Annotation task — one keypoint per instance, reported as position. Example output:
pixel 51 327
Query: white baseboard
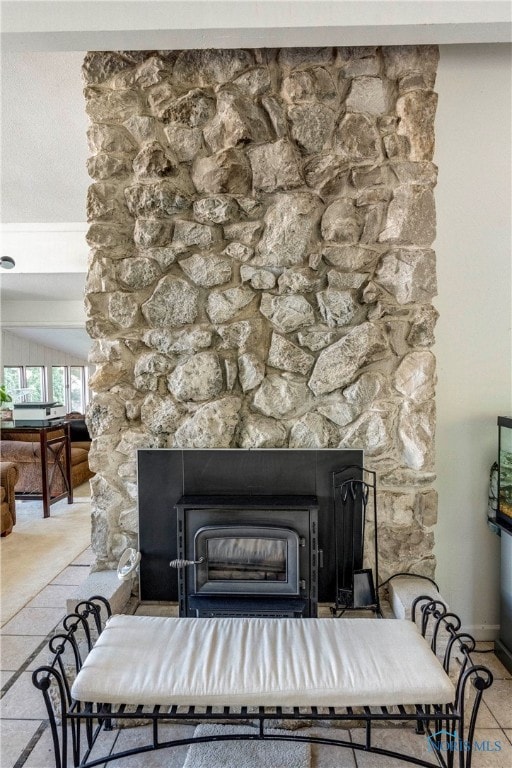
pixel 483 632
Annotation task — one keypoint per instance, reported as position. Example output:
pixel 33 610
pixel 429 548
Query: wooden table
pixel 58 448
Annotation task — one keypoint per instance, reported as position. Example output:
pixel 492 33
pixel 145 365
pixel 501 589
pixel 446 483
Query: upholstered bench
pixel 262 669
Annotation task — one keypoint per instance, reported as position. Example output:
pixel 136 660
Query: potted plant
pixel 5 410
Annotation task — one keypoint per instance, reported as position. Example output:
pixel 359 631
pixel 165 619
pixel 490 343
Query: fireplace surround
pixel 275 505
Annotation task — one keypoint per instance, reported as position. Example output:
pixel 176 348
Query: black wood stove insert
pixel 240 532
pixel 247 555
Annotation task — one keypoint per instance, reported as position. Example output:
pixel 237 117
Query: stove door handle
pixel 183 563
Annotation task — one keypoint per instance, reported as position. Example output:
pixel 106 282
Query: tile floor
pixel 25 737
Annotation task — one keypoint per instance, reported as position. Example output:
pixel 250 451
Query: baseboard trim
pixel 483 632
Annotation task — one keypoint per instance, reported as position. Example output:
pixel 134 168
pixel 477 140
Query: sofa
pixel 8 478
pixel 24 450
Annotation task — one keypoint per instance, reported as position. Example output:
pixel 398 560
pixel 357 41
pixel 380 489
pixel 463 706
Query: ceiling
pixel 43 121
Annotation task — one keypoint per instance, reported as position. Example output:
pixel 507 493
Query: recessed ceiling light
pixel 6 262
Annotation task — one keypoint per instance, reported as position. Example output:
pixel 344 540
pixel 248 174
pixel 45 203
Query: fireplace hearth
pixel 253 531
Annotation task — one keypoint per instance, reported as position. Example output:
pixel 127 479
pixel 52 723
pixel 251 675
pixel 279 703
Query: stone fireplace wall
pixel 261 271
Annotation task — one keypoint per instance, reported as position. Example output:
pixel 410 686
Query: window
pixel 25 382
pixel 69 386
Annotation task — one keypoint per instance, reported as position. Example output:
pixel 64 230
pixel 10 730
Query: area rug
pixel 245 754
pixel 38 549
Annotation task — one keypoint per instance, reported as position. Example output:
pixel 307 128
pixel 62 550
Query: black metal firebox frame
pixel 76 727
pixel 297 513
pixel 166 474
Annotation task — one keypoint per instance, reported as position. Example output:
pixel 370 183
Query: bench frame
pixel 75 726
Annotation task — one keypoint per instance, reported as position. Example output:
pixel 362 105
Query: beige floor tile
pixel 494 750
pixel 86 558
pixel 42 755
pixel 72 576
pixel 33 621
pixel 15 649
pixel 23 701
pixel 489 660
pixel 508 734
pixel 323 756
pixel 14 737
pixel 170 758
pixel 5 676
pixel 499 700
pixel 52 596
pixel 403 740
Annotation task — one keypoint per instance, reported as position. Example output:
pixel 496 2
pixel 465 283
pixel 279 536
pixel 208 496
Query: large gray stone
pixel 287 313
pixel 411 216
pixel 415 376
pixel 417 111
pixel 341 222
pixel 197 379
pixel 416 426
pixel 261 432
pixel 151 232
pixel 338 411
pixel 277 115
pixel 114 106
pixel 290 58
pixel 245 232
pixel 176 342
pixel 191 233
pixel 359 60
pixel 244 335
pixel 159 199
pixel 110 138
pixel 367 388
pixel 337 365
pixel 287 356
pixel 238 251
pixel 251 371
pixel 274 166
pixel 174 302
pixel 238 120
pixel 312 126
pixel 310 431
pixel 290 229
pixel 207 270
pixel 349 258
pixel 309 85
pixel 408 274
pixel 227 171
pixel 298 280
pixel 260 279
pixel 216 210
pixel 357 139
pixel 400 60
pixel 155 161
pixel 424 320
pixel 224 305
pixel 161 415
pixel 212 426
pixel 369 94
pixel 336 307
pixel 280 396
pixel 316 338
pixel 210 66
pixel 328 174
pixel 105 415
pixel 137 272
pixel 107 376
pixel 104 166
pixel 256 81
pixel 370 432
pixel 185 142
pixel 123 309
pixel 192 110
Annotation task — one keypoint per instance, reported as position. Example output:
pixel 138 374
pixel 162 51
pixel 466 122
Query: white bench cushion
pixel 266 662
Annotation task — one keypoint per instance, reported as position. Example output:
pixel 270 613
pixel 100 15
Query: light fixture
pixel 6 262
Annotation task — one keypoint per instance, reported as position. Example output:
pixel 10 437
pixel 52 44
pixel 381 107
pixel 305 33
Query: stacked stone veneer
pixel 261 272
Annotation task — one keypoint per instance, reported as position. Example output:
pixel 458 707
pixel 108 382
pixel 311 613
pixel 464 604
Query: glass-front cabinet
pixel 504 513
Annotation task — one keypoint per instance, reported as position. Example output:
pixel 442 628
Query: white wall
pixel 474 340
